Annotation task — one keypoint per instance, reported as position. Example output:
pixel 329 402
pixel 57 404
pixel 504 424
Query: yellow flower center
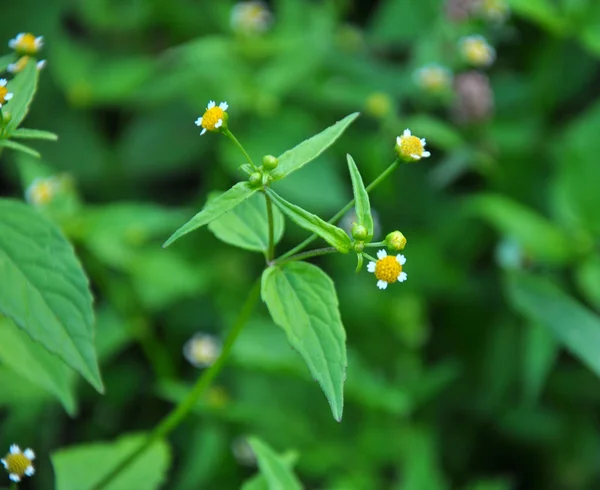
pixel 3 92
pixel 477 51
pixel 42 193
pixel 388 269
pixel 27 44
pixel 410 145
pixel 211 118
pixel 434 79
pixel 17 463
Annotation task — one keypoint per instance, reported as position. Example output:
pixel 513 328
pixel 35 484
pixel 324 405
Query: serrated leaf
pixel 82 467
pixel 215 208
pixel 362 204
pixel 275 469
pixel 333 235
pixel 575 326
pixel 308 150
pixel 34 363
pixel 13 145
pixel 302 300
pixel 533 232
pixel 246 225
pixel 44 289
pixel 23 87
pixel 33 134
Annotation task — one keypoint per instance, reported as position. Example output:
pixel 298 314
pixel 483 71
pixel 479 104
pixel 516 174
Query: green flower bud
pixel 359 232
pixel 6 117
pixel 256 179
pixel 395 241
pixel 270 162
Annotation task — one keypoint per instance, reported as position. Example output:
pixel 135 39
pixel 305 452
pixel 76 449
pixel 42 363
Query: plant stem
pixel 342 211
pixel 230 135
pixel 304 255
pixel 180 412
pixel 271 246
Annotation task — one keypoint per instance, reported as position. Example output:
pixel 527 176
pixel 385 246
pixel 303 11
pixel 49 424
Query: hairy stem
pixel 230 135
pixel 271 246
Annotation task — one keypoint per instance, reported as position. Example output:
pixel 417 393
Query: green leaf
pixel 34 363
pixel 361 199
pixel 333 235
pixel 23 86
pixel 13 145
pixel 215 208
pixel 7 60
pixel 540 353
pixel 246 225
pixel 302 300
pixel 34 134
pixel 274 468
pixel 570 322
pixel 44 289
pixel 538 236
pixel 308 150
pixel 82 467
pixel 259 481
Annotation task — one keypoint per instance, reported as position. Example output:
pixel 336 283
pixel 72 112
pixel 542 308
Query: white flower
pixel 410 148
pixel 250 17
pixel 214 117
pixel 26 43
pixel 202 350
pixel 5 95
pixel 433 78
pixel 43 190
pixel 18 463
pixel 387 269
pixel 476 50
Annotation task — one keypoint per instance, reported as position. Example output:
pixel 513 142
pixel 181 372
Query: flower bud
pixel 359 232
pixel 255 179
pixel 395 241
pixel 270 162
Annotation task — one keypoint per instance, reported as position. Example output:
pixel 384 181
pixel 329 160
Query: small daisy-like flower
pixel 477 51
pixel 18 463
pixel 202 350
pixel 26 43
pixel 433 78
pixel 387 269
pixel 251 17
pixel 214 117
pixel 42 191
pixel 493 10
pixel 5 95
pixel 410 148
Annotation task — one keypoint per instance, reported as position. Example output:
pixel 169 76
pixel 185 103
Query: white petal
pixel 12 43
pixel 29 454
pixel 41 64
pixel 14 449
pixel 14 477
pixel 371 266
pixel 423 142
pixel 224 106
pixel 426 154
pixel 381 284
pixel 381 254
pixel 8 96
pixel 12 68
pixel 407 132
pixel 402 277
pixel 203 131
pixel 415 156
pixel 30 470
pixel 39 41
pixel 401 259
pixel 198 122
pixel 219 123
pixel 211 104
pixel 4 463
pixel 3 82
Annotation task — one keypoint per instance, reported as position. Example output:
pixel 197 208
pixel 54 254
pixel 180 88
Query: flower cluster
pixel 42 191
pixel 251 17
pixel 26 45
pixel 476 50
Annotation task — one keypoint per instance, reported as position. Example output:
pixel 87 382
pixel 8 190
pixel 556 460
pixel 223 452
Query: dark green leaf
pixel 13 145
pixel 34 134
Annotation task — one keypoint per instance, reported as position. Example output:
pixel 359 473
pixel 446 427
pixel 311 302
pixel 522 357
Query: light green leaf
pixel 44 289
pixel 34 363
pixel 259 481
pixel 361 199
pixel 302 300
pixel 23 88
pixel 570 322
pixel 215 208
pixel 246 225
pixel 82 467
pixel 274 468
pixel 333 235
pixel 34 134
pixel 540 353
pixel 308 150
pixel 13 145
pixel 538 236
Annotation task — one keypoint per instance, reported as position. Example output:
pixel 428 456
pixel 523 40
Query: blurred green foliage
pixel 478 373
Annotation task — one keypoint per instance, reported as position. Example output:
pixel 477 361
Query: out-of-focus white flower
pixel 202 350
pixel 477 51
pixel 493 10
pixel 26 43
pixel 43 190
pixel 433 78
pixel 251 17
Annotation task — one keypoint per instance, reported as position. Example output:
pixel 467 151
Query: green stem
pixel 230 135
pixel 181 411
pixel 13 486
pixel 305 255
pixel 384 175
pixel 271 246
